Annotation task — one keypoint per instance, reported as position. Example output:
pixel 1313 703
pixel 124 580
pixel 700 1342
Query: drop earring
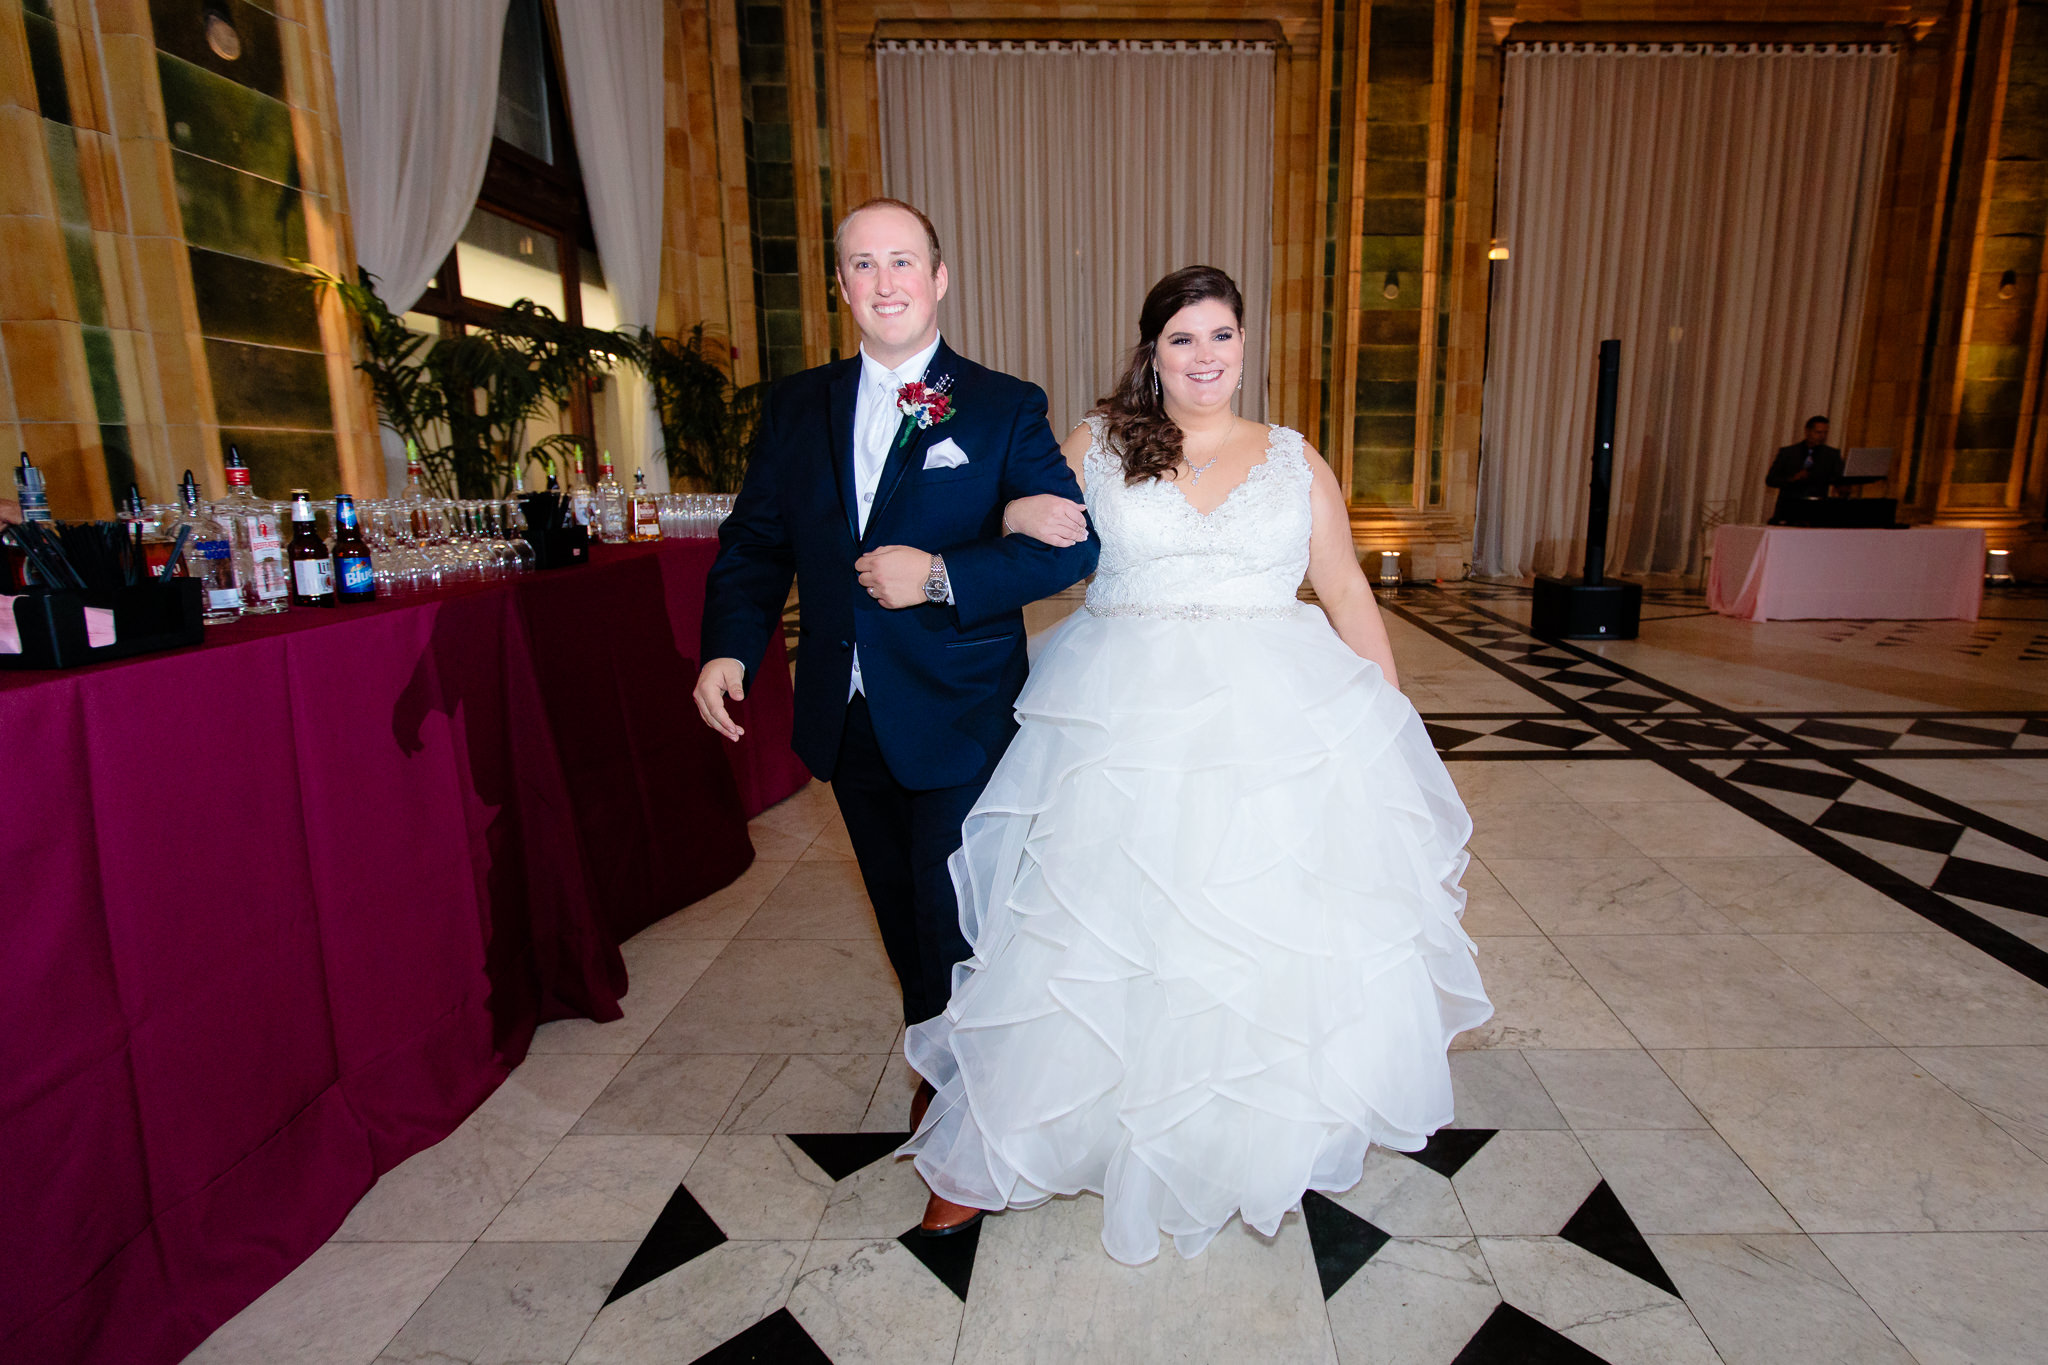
pixel 1155 385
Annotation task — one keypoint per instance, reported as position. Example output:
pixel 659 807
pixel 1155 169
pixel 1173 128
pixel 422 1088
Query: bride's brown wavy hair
pixel 1140 432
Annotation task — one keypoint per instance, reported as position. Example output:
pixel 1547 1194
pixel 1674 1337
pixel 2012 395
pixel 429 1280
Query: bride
pixel 1212 889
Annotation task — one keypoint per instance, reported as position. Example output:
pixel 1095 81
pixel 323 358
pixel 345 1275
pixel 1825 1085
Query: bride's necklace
pixel 1196 471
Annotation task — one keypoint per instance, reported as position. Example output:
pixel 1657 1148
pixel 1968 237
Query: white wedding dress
pixel 1212 893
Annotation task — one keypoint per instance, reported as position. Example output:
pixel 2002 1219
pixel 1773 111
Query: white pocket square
pixel 945 455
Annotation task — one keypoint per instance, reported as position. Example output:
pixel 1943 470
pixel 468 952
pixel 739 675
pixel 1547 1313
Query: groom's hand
pixel 894 575
pixel 720 678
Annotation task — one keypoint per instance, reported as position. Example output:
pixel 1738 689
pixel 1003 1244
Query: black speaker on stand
pixel 1590 607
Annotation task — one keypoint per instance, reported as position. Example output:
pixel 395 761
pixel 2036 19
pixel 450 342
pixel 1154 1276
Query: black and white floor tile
pixel 1767 1081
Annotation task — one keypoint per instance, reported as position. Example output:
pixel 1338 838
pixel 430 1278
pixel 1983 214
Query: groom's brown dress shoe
pixel 920 1102
pixel 943 1218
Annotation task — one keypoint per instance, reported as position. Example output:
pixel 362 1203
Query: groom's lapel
pixel 902 451
pixel 844 393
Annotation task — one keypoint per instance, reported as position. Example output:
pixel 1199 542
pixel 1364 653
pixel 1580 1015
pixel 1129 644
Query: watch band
pixel 935 582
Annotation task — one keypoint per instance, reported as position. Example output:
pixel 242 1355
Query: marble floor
pixel 1763 910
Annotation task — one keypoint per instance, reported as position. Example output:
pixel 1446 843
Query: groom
pixel 885 500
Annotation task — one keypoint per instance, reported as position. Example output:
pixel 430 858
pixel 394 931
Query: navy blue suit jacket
pixel 941 681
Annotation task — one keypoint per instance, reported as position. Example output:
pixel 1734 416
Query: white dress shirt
pixel 876 420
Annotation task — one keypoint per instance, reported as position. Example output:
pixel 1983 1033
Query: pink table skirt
pixel 278 911
pixel 1781 573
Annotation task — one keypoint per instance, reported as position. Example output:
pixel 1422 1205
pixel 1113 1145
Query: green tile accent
pixel 1394 217
pixel 1387 431
pixel 2014 250
pixel 216 118
pixel 46 67
pixel 268 386
pixel 106 378
pixel 1387 178
pixel 280 461
pixel 1390 327
pixel 60 141
pixel 1391 397
pixel 1377 255
pixel 1995 362
pixel 1398 63
pixel 118 455
pixel 1982 466
pixel 85 276
pixel 245 300
pixel 181 30
pixel 1983 430
pixel 227 210
pixel 1983 396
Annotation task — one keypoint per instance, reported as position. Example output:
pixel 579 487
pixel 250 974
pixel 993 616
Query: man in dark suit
pixel 1803 471
pixel 911 652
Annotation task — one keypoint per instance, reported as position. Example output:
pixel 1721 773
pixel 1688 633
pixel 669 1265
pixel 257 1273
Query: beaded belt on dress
pixel 1192 612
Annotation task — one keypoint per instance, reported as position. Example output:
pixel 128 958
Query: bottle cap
pixel 188 489
pixel 30 491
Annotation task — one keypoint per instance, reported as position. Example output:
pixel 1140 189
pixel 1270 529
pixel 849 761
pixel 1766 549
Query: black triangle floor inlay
pixel 839 1155
pixel 1603 1227
pixel 778 1339
pixel 1343 1242
pixel 951 1258
pixel 1512 1337
pixel 681 1234
pixel 1449 1149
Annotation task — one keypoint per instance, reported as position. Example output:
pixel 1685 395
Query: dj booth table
pixel 1779 573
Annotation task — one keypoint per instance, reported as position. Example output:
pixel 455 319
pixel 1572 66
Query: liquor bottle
pixel 208 555
pixel 258 545
pixel 414 496
pixel 312 568
pixel 611 503
pixel 147 533
pixel 355 580
pixel 646 510
pixel 582 502
pixel 554 484
pixel 15 571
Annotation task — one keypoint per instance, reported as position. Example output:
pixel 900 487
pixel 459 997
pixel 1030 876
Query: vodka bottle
pixel 209 554
pixel 611 503
pixel 257 543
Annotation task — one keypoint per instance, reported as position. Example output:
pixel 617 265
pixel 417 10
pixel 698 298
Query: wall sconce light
pixel 1390 568
pixel 2008 284
pixel 1392 288
pixel 221 35
pixel 1998 568
pixel 1497 252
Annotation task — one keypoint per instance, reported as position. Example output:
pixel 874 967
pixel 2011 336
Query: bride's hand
pixel 1047 517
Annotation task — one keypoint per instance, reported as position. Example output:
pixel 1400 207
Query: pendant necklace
pixel 1196 471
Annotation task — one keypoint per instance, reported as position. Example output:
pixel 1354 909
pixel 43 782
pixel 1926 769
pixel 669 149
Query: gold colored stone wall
pixel 114 320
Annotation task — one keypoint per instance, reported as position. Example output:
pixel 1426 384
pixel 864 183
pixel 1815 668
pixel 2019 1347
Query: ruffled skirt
pixel 1212 893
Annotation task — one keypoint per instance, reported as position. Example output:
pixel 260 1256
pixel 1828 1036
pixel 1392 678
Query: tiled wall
pixel 237 171
pixel 771 125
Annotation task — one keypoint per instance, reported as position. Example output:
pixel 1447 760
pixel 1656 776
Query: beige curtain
pixel 1065 178
pixel 1711 207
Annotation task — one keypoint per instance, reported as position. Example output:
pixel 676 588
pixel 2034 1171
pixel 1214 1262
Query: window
pixel 529 236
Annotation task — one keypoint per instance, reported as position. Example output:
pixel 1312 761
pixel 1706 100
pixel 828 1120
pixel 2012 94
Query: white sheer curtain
pixel 416 88
pixel 1065 178
pixel 1712 208
pixel 611 66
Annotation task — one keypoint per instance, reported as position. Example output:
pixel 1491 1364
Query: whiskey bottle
pixel 646 509
pixel 312 568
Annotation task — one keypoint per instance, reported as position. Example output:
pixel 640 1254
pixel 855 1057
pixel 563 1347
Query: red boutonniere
pixel 927 405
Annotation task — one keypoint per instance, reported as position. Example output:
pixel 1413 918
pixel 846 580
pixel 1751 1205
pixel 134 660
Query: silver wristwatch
pixel 935 582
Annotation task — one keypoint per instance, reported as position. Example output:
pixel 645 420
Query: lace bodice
pixel 1161 557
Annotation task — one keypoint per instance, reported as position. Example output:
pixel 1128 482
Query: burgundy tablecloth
pixel 1782 573
pixel 280 910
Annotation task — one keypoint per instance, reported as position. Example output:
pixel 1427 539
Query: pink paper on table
pixel 99 627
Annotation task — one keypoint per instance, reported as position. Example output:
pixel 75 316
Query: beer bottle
pixel 354 578
pixel 312 569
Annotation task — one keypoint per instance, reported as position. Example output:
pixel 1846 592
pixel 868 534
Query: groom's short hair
pixel 931 234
